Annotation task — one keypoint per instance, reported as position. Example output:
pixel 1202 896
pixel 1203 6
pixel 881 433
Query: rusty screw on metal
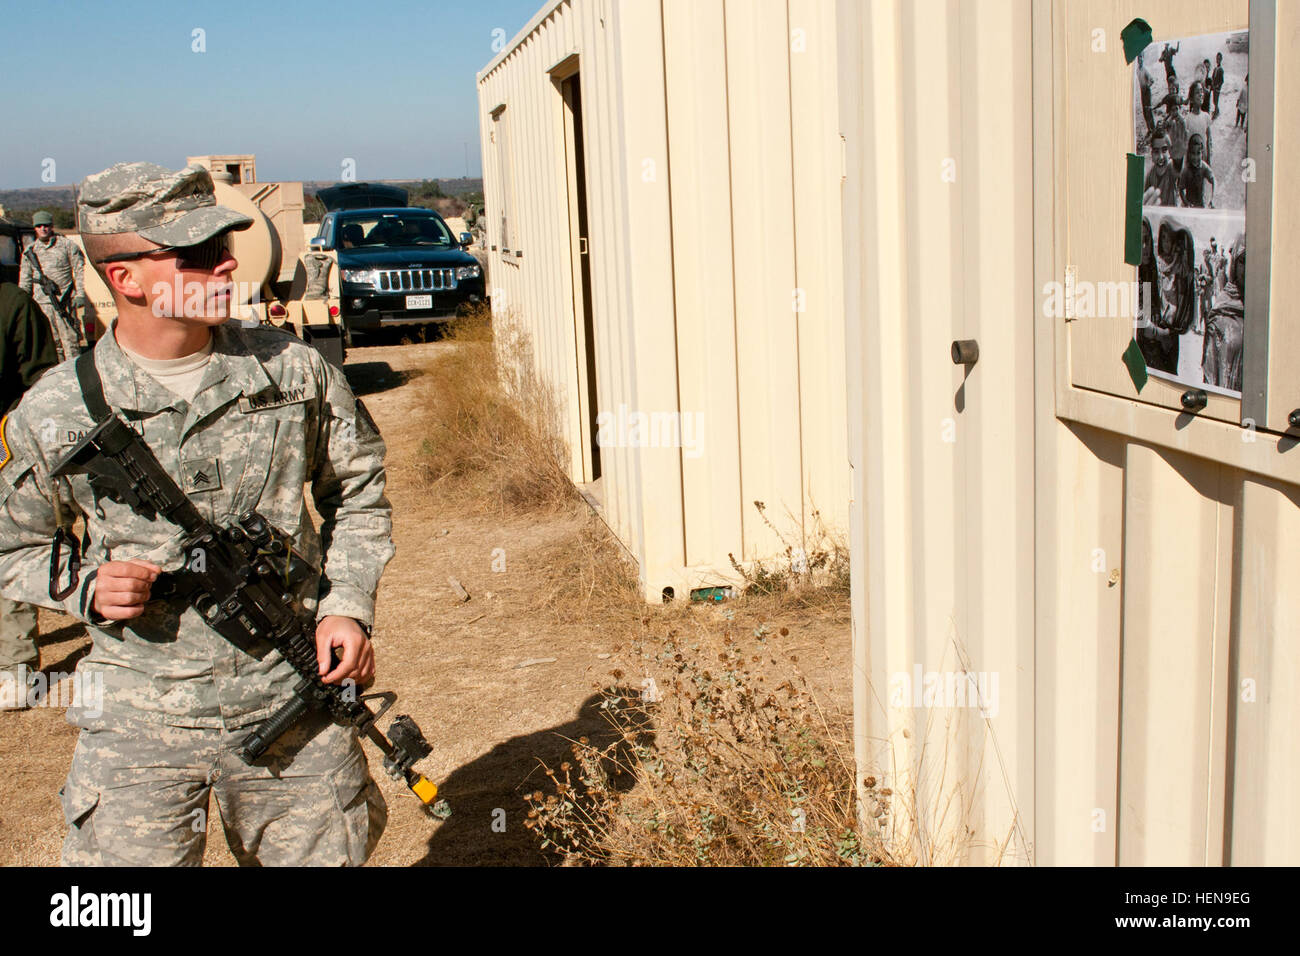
pixel 1194 399
pixel 965 352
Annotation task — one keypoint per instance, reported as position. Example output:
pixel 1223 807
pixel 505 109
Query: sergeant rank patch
pixel 201 474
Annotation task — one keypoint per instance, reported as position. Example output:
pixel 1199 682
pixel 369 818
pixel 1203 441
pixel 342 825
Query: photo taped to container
pixel 1191 297
pixel 1190 113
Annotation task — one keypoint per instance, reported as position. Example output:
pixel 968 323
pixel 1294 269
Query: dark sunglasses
pixel 206 255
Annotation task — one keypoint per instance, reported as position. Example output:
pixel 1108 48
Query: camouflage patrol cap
pixel 171 208
pixel 42 219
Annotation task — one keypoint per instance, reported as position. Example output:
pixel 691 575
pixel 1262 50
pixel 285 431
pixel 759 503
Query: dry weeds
pixel 494 443
pixel 717 750
pixel 715 762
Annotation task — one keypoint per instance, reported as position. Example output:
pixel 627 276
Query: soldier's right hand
pixel 122 588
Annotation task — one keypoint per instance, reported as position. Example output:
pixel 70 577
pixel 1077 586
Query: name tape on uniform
pixel 276 398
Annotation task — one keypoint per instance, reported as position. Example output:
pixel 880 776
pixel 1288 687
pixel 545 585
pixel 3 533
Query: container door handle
pixel 965 352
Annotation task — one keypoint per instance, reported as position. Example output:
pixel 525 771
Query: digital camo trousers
pixel 17 635
pixel 138 796
pixel 68 335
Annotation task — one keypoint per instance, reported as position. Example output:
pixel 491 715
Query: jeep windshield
pixel 392 230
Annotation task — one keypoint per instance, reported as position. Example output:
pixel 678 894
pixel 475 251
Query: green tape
pixel 1133 210
pixel 1136 364
pixel 1136 37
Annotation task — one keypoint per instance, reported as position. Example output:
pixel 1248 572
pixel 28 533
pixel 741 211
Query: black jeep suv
pixel 397 264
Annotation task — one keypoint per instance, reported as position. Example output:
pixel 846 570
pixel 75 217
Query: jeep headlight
pixel 359 276
pixel 468 272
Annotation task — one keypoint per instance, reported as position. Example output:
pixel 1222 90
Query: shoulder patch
pixel 5 456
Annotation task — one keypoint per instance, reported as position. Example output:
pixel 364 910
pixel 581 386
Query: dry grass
pixel 717 749
pixel 721 757
pixel 812 574
pixel 494 443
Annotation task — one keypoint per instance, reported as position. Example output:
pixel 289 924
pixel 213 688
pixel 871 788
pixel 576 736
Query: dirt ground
pixel 454 665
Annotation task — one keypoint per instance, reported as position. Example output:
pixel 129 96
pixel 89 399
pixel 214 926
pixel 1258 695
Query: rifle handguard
pixel 271 729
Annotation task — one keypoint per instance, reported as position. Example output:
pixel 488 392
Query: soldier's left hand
pixel 356 656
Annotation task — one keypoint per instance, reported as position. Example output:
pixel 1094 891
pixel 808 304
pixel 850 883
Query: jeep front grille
pixel 416 280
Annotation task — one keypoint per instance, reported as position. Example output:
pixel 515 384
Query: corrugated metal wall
pixel 536 289
pixel 1164 681
pixel 713 171
pixel 1122 573
pixel 936 111
pixel 1112 583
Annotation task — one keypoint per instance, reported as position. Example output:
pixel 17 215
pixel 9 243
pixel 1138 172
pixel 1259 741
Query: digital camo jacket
pixel 270 416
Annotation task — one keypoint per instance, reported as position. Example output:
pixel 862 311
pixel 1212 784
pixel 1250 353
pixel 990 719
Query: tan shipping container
pixel 662 198
pixel 1112 567
pixel 1097 574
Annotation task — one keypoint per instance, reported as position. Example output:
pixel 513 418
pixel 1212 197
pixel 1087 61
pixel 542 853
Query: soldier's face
pixel 177 289
pixel 44 231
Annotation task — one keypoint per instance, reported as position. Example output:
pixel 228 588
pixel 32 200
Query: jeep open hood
pixel 404 257
pixel 361 196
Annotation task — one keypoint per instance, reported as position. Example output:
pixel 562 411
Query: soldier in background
pixel 242 419
pixel 53 273
pixel 26 351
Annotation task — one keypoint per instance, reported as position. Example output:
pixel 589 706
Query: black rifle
pixel 241 579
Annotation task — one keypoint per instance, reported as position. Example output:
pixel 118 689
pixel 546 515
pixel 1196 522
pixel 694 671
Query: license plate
pixel 419 302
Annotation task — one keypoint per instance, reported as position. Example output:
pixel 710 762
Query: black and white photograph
pixel 1191 295
pixel 1190 115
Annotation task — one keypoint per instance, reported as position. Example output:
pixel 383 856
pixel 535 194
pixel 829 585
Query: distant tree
pixel 313 210
pixel 428 189
pixel 63 218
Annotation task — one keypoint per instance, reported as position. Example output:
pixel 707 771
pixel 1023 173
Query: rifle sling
pixel 92 387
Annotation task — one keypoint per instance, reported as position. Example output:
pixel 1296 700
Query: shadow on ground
pixel 500 779
pixel 400 335
pixel 57 636
pixel 367 378
pixel 68 662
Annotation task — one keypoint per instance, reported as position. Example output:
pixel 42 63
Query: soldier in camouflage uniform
pixel 241 426
pixel 26 352
pixel 60 260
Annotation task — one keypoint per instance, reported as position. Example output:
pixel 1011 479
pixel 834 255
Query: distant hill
pixel 20 203
pixel 26 200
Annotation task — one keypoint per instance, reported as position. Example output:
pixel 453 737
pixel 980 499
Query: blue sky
pixel 303 85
